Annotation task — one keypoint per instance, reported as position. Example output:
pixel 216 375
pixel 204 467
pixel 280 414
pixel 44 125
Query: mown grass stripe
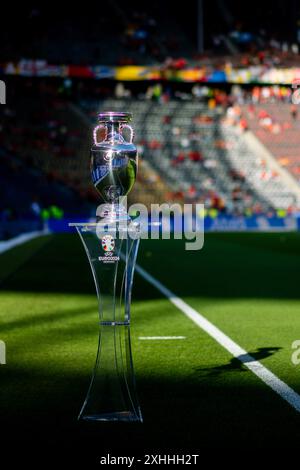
pixel 270 379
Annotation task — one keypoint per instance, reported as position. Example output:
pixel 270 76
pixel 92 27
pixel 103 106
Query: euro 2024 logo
pixel 108 243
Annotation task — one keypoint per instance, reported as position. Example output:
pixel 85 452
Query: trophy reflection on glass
pixel 112 252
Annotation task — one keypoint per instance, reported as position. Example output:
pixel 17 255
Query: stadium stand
pixel 37 146
pixel 201 158
pixel 194 147
pixel 277 128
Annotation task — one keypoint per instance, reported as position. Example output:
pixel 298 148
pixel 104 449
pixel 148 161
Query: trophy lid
pixel 112 116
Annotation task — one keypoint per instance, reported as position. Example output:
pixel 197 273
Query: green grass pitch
pixel 193 394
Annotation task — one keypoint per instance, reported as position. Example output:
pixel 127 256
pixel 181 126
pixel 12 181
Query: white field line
pixel 270 379
pixel 19 240
pixel 161 337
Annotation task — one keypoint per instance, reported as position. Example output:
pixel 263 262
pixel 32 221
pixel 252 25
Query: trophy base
pixel 124 416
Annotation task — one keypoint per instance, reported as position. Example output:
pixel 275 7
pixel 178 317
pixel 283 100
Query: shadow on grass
pixel 238 363
pixel 210 409
pixel 40 319
pixel 229 266
pixel 38 411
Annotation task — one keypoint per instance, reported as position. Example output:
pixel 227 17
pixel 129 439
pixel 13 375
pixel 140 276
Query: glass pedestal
pixel 112 392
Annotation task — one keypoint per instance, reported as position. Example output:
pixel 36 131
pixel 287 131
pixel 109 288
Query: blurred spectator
pixel 35 208
pixel 121 91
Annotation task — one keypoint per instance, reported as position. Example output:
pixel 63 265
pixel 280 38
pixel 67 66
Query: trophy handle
pixel 100 126
pixel 127 126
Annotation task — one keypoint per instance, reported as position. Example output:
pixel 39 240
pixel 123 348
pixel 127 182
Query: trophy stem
pixel 112 393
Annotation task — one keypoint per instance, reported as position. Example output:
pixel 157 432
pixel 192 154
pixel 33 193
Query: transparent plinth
pixel 112 256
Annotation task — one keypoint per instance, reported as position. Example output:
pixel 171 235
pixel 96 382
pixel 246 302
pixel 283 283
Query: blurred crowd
pixel 35 127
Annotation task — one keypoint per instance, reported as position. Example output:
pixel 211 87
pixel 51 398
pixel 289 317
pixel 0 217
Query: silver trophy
pixel 112 256
pixel 113 162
